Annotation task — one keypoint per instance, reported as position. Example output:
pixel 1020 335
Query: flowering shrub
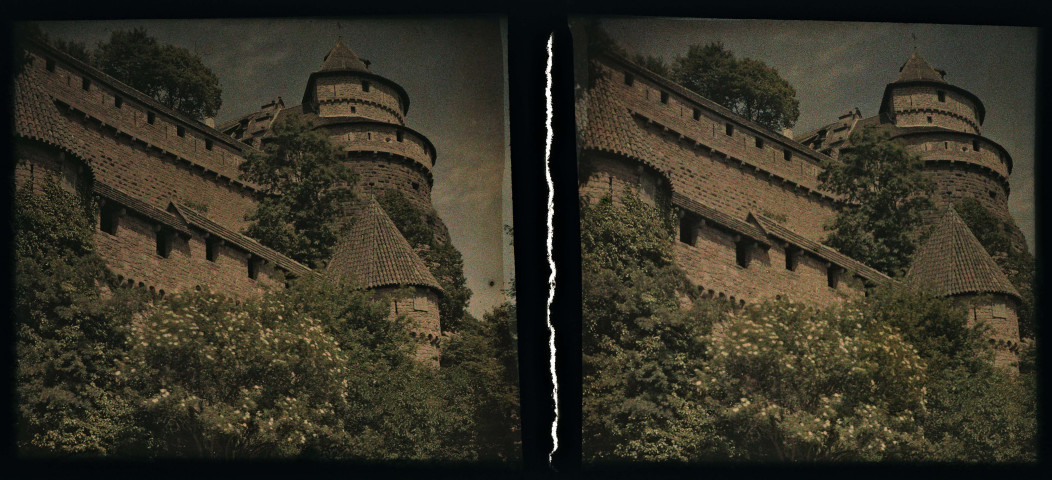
pixel 792 383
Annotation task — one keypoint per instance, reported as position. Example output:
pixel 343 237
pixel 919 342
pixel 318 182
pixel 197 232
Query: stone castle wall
pixel 998 312
pixel 420 307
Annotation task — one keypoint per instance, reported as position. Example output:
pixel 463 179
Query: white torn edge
pixel 551 259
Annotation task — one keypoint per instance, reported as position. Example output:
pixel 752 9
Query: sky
pixel 452 69
pixel 837 66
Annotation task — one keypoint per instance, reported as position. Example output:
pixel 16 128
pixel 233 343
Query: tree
pixel 306 185
pixel 653 63
pixel 419 227
pixel 68 338
pixel 746 86
pixel 640 348
pixel 789 382
pixel 884 194
pixel 172 75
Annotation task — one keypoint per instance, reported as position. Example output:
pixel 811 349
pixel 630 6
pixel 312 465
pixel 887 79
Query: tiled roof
pixel 916 69
pixel 37 118
pixel 716 216
pixel 375 254
pixel 341 58
pixel 143 208
pixel 953 262
pixel 775 229
pixel 192 217
pixel 610 127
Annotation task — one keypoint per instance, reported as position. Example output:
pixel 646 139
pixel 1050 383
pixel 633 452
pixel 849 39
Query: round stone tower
pixel 364 114
pixel 942 123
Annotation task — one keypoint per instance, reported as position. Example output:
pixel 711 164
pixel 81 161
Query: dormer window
pixel 942 96
pixel 365 86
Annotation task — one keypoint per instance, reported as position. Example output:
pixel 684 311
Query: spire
pixel 916 69
pixel 374 253
pixel 952 262
pixel 342 58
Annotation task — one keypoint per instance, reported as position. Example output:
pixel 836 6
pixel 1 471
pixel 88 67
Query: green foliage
pixel 788 382
pixel 481 365
pixel 1009 251
pixel 748 87
pixel 653 63
pixel 640 350
pixel 419 227
pixel 884 195
pixel 306 186
pixel 172 75
pixel 67 337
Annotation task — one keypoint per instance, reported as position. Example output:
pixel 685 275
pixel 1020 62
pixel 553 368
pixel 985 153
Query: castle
pixel 752 211
pixel 171 201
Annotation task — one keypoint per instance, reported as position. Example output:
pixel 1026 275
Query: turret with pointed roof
pixel 953 263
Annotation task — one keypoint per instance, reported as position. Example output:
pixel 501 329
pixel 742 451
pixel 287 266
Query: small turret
pixel 921 97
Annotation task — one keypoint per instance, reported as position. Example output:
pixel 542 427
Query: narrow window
pixel 629 79
pixel 212 249
pixel 151 118
pixel 929 119
pixel 664 97
pixel 729 129
pixel 792 258
pixel 180 130
pixel 208 144
pixel 833 276
pixel 742 252
pixel 688 230
pixel 399 135
pixel 365 86
pixel 85 83
pixel 110 219
pixel 975 145
pixel 118 101
pixel 416 186
pixel 50 64
pixel 354 110
pixel 942 96
pixel 253 267
pixel 759 142
pixel 697 114
pixel 946 145
pixel 787 155
pixel 993 194
pixel 164 243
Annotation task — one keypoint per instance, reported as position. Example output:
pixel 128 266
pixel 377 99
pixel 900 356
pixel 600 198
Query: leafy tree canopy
pixel 748 87
pixel 172 75
pixel 306 185
pixel 884 194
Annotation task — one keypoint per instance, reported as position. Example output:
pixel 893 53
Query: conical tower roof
pixel 953 262
pixel 342 58
pixel 916 69
pixel 375 254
